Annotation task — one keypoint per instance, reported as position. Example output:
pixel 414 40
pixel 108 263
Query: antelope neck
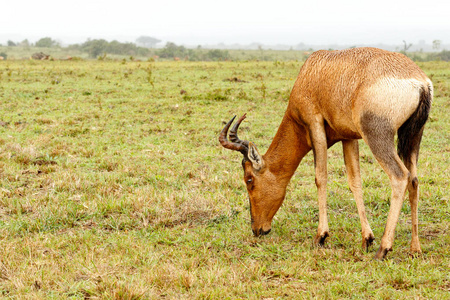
pixel 287 149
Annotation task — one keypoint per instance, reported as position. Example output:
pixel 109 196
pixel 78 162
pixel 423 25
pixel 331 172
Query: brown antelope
pixel 343 96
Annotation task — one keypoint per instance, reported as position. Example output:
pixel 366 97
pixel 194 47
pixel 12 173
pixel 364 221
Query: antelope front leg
pixel 351 159
pixel 319 145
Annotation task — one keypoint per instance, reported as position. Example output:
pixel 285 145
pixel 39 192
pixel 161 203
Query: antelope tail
pixel 410 132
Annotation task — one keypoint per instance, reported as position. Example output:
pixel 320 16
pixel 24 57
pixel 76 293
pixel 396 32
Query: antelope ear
pixel 255 157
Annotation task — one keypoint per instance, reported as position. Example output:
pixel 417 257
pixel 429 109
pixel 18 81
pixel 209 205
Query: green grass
pixel 113 185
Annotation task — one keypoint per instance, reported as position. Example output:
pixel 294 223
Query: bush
pixel 171 50
pixel 217 55
pixel 443 55
pixel 96 48
pixel 46 43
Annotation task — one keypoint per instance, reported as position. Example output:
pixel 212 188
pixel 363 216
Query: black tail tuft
pixel 413 126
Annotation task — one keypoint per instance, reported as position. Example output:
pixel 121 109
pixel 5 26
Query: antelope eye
pixel 249 183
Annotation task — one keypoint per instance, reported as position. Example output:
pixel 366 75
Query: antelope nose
pixel 260 231
pixel 265 232
pixel 256 231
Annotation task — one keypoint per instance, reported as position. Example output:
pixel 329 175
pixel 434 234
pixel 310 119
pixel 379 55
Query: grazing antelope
pixel 343 96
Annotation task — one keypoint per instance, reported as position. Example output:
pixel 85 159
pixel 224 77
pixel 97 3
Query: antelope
pixel 343 96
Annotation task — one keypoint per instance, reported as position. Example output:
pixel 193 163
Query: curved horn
pixel 233 132
pixel 236 143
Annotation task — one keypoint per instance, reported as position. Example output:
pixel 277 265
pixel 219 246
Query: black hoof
pixel 381 253
pixel 319 240
pixel 367 243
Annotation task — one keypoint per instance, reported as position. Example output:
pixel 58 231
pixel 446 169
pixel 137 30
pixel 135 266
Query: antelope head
pixel 264 193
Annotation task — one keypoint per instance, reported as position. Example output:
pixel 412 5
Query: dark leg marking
pixel 380 137
pixel 415 182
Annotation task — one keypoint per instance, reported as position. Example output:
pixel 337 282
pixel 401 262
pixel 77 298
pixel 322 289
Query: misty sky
pixel 231 21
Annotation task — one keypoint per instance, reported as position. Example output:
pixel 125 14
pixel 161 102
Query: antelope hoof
pixel 319 240
pixel 367 242
pixel 415 247
pixel 415 251
pixel 381 253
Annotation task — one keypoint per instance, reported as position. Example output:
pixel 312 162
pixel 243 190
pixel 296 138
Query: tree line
pixel 41 43
pixel 144 47
pixel 96 48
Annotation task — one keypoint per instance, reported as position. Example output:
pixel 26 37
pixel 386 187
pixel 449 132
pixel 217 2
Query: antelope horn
pixel 236 143
pixel 233 132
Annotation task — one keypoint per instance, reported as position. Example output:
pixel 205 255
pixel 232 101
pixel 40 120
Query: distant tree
pixel 147 41
pixel 11 43
pixel 24 43
pixel 300 46
pixel 217 54
pixel 406 46
pixel 436 44
pixel 171 50
pixel 443 55
pixel 46 43
pixel 95 47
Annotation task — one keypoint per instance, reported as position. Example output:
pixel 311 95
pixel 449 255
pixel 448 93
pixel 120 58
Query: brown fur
pixel 344 96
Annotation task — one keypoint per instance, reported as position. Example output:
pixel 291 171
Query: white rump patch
pixel 395 99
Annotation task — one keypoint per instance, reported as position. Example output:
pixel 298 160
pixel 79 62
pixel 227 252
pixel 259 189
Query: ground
pixel 113 185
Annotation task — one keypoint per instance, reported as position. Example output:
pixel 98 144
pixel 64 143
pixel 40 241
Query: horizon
pixel 230 44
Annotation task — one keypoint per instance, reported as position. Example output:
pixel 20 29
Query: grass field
pixel 113 185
